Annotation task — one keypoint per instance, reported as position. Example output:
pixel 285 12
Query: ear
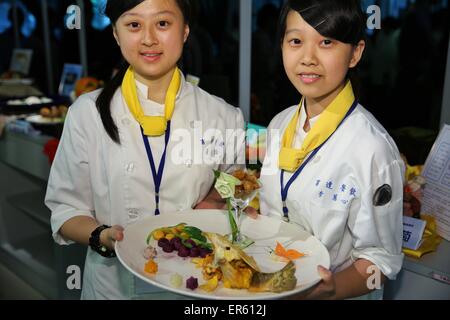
pixel 116 36
pixel 357 53
pixel 187 30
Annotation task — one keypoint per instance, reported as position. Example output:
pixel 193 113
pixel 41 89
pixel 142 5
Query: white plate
pixel 38 119
pixel 265 231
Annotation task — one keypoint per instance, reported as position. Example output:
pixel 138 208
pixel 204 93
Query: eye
pixel 163 24
pixel 327 42
pixel 133 25
pixel 295 42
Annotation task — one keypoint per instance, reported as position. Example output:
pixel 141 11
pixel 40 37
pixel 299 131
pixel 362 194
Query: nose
pixel 308 56
pixel 149 37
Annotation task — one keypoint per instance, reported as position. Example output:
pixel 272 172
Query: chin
pixel 310 92
pixel 154 72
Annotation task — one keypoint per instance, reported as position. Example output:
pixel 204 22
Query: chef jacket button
pixel 133 212
pixel 130 167
pixel 188 163
pixel 194 124
pixel 126 121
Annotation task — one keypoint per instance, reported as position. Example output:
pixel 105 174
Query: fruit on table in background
pixel 86 84
pixel 10 75
pixel 54 112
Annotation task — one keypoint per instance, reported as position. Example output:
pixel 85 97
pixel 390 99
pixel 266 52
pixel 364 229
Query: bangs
pixel 115 8
pixel 342 20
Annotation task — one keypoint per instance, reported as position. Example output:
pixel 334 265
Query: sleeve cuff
pixel 389 264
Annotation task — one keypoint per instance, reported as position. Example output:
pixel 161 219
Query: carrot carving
pixel 290 254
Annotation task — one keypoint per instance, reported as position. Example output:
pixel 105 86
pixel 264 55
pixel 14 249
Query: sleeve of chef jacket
pixel 377 230
pixel 236 160
pixel 69 186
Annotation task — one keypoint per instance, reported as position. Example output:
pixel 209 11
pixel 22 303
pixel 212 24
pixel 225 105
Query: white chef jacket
pixel 95 177
pixel 333 197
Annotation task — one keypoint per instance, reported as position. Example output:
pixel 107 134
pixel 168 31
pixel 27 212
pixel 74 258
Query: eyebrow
pixel 155 14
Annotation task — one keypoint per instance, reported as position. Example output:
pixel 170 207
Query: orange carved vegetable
pixel 290 254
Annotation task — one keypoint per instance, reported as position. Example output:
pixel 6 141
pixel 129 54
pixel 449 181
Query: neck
pixel 315 106
pixel 157 87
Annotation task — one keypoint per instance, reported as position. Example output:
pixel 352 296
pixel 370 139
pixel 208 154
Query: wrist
pixel 97 242
pixel 104 238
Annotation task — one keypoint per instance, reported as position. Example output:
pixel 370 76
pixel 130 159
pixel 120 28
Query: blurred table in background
pixel 10 90
pixel 426 278
pixel 26 244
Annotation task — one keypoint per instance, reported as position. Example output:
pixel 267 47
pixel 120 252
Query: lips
pixel 309 78
pixel 151 56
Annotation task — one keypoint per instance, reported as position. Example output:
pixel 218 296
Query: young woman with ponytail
pixel 127 150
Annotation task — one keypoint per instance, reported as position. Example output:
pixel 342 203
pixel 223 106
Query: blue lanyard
pixel 157 176
pixel 285 189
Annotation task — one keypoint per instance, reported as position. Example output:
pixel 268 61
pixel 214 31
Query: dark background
pixel 402 72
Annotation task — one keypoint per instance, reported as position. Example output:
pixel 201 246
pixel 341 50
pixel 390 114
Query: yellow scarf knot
pixel 153 126
pixel 290 158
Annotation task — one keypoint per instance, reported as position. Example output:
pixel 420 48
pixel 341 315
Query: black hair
pixel 113 10
pixel 342 20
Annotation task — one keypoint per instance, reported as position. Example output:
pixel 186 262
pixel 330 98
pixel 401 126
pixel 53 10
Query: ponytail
pixel 103 102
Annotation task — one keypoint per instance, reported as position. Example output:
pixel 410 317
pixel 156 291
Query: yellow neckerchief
pixel 153 126
pixel 289 158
